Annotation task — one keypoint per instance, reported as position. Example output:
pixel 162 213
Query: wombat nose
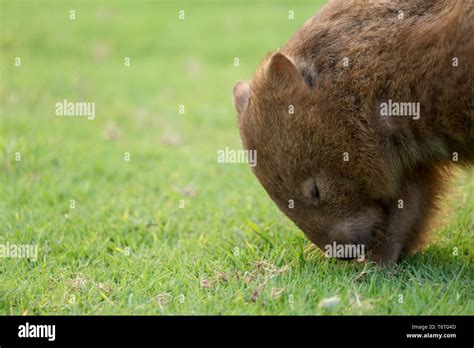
pixel 346 258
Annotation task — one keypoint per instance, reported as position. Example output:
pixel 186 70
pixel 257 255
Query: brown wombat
pixel 356 118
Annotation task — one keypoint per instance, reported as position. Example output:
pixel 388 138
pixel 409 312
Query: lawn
pixel 132 213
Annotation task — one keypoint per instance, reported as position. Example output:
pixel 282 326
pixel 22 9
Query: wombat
pixel 356 119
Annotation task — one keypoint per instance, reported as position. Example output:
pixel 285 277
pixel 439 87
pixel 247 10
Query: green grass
pixel 127 247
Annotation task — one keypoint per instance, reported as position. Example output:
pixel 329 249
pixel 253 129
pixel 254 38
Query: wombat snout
pixel 354 233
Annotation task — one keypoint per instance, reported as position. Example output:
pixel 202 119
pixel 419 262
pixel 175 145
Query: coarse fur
pixel 327 157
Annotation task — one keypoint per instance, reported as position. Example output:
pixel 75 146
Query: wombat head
pixel 319 164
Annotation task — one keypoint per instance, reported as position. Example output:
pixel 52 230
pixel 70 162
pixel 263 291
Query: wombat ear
pixel 282 71
pixel 241 96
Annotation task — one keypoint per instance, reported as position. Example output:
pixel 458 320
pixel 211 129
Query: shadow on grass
pixel 440 263
pixel 434 264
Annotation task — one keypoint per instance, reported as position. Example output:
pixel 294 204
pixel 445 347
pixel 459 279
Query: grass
pixel 127 247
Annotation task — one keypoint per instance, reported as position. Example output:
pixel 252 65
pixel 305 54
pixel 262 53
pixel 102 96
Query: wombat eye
pixel 310 190
pixel 315 191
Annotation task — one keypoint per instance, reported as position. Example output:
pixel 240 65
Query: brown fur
pixel 337 113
